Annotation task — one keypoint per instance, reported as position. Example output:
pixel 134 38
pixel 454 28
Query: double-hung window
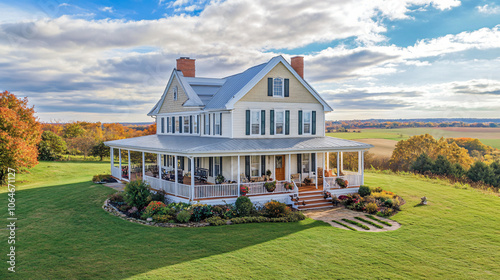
pixel 255 166
pixel 169 127
pixel 279 122
pixel 217 168
pixel 278 87
pixel 162 125
pixel 255 122
pixel 217 124
pixel 195 124
pixel 185 120
pixel 177 125
pixel 305 163
pixel 307 122
pixel 175 92
pixel 207 124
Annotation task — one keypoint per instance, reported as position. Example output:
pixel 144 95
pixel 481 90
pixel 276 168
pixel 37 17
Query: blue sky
pixel 110 60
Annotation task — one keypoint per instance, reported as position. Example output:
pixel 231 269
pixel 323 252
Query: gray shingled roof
pixel 195 145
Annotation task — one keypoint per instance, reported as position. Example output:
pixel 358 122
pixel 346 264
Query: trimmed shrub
pixel 201 212
pixel 159 218
pixel 244 206
pixel 117 198
pixel 275 209
pixel 184 216
pixel 371 208
pixel 376 190
pixel 137 194
pixel 364 191
pixel 216 221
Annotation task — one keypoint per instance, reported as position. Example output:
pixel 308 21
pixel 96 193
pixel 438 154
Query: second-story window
pixel 217 124
pixel 169 127
pixel 177 125
pixel 255 122
pixel 185 119
pixel 195 124
pixel 255 166
pixel 280 122
pixel 175 92
pixel 162 125
pixel 278 87
pixel 207 124
pixel 307 122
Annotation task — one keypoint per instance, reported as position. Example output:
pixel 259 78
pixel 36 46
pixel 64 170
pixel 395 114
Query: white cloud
pixel 106 9
pixel 489 9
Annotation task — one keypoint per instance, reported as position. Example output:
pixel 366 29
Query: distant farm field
pixel 378 137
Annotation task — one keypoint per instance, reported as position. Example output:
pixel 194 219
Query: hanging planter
pixel 270 186
pixel 243 190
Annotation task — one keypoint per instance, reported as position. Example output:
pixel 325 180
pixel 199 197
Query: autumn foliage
pixel 20 133
pixel 407 152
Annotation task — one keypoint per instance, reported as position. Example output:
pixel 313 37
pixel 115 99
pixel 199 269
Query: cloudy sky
pixel 110 61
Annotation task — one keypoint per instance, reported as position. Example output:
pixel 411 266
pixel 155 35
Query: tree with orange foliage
pixel 20 133
pixel 407 151
pixel 150 130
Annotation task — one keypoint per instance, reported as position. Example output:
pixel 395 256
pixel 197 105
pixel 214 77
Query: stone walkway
pixel 116 186
pixel 327 215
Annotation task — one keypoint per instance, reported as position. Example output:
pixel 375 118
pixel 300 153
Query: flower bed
pixel 372 201
pixel 138 204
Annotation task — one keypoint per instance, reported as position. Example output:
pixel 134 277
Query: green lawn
pixel 64 233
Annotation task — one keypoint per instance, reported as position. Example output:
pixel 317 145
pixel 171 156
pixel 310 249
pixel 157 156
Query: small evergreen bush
pixel 137 194
pixel 244 206
pixel 364 191
pixel 183 216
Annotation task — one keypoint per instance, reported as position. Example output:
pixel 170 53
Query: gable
pixel 169 104
pixel 298 92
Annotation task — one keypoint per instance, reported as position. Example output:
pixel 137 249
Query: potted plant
pixel 270 186
pixel 219 179
pixel 288 186
pixel 308 181
pixel 341 182
pixel 268 174
pixel 243 190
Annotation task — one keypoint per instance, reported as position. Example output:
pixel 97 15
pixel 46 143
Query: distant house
pixel 218 134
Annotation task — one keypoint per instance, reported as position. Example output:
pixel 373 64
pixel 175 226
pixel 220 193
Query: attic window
pixel 278 87
pixel 175 93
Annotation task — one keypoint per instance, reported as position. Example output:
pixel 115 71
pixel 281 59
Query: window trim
pixel 176 92
pixel 169 125
pixel 184 119
pixel 258 112
pixel 195 124
pixel 218 122
pixel 217 170
pixel 177 125
pixel 276 112
pixel 304 112
pixel 308 163
pixel 282 87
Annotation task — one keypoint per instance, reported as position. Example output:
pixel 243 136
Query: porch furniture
pixel 243 178
pixel 296 179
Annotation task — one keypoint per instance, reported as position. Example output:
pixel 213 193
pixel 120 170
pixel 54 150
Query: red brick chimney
pixel 187 66
pixel 298 65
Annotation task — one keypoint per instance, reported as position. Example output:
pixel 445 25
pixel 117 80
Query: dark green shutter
pixel 313 122
pixel 213 121
pixel 220 125
pixel 300 122
pixel 173 124
pixel 263 165
pixel 299 163
pixel 182 162
pixel 287 87
pixel 211 166
pixel 191 124
pixel 287 122
pixel 162 125
pixel 247 166
pixel 269 86
pixel 263 122
pixel 189 164
pixel 220 166
pixel 180 125
pixel 247 122
pixel 208 124
pixel 313 162
pixel 271 123
pixel 198 124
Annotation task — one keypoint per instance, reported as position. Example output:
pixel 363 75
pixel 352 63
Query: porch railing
pixel 213 191
pixel 258 188
pixel 115 172
pixel 169 187
pixel 352 180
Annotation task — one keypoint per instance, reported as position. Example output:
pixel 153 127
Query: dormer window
pixel 175 93
pixel 278 87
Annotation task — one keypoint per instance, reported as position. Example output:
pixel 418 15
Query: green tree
pixel 20 134
pixel 442 166
pixel 481 172
pixel 50 146
pixel 422 164
pixel 73 130
pixel 100 150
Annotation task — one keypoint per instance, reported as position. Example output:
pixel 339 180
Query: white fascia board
pixel 193 98
pixel 270 65
pixel 157 107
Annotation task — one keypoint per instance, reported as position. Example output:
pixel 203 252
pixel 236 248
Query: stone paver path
pixel 116 186
pixel 327 215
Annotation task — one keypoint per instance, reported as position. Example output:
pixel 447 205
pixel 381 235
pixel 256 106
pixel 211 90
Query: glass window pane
pixel 254 166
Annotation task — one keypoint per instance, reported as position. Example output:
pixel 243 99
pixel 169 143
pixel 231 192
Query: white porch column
pixel 111 159
pixel 120 162
pixel 143 167
pixel 192 178
pixel 324 167
pixel 129 166
pixel 232 177
pixel 338 164
pixel 175 175
pixel 341 161
pixel 316 171
pixel 274 166
pixel 362 173
pixel 289 178
pixel 327 161
pixel 239 176
pixel 158 159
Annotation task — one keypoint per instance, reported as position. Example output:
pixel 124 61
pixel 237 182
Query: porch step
pixel 316 206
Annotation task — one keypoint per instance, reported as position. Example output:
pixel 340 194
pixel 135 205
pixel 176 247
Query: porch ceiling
pixel 196 145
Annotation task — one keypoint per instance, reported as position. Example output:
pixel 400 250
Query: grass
pixel 378 220
pixel 344 225
pixel 64 234
pixel 369 222
pixel 356 224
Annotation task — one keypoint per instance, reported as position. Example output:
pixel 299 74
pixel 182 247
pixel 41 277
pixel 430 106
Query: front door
pixel 280 168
